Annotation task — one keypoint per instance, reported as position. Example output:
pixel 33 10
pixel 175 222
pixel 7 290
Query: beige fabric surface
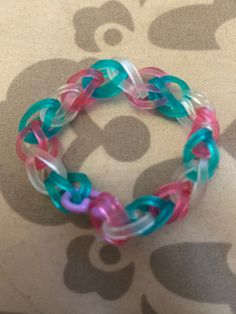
pixel 51 262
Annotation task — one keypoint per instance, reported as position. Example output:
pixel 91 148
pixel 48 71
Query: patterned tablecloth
pixel 50 262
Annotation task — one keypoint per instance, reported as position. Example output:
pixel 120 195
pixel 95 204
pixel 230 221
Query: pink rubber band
pixel 205 117
pixel 85 97
pixel 107 208
pixel 146 103
pixel 35 127
pixel 183 191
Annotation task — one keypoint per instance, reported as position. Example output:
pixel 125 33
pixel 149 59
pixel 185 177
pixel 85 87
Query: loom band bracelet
pixel 61 184
pixel 173 108
pixel 203 135
pixel 48 103
pixel 111 88
pixel 182 191
pixel 199 165
pixel 95 78
pixel 53 164
pixel 134 83
pixel 52 146
pixel 81 208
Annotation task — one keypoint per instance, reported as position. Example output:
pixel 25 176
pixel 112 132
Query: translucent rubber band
pixel 129 230
pixel 133 75
pixel 200 186
pixel 147 103
pixel 62 115
pixel 32 173
pixel 191 103
pixel 54 164
pixel 42 140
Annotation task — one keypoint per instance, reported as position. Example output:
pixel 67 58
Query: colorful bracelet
pixel 37 145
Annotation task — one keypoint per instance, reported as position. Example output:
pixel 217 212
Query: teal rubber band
pixel 173 108
pixel 144 203
pixel 111 88
pixel 61 182
pixel 85 184
pixel 202 135
pixel 48 103
pixel 49 117
pixel 56 185
pixel 55 195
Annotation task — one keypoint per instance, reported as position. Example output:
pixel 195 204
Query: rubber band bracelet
pixel 149 88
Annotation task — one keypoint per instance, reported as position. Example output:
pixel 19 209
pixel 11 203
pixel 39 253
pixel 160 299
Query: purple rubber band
pixel 82 208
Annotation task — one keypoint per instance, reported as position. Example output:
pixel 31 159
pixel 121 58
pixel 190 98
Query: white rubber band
pixel 129 230
pixel 52 163
pixel 63 116
pixel 137 86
